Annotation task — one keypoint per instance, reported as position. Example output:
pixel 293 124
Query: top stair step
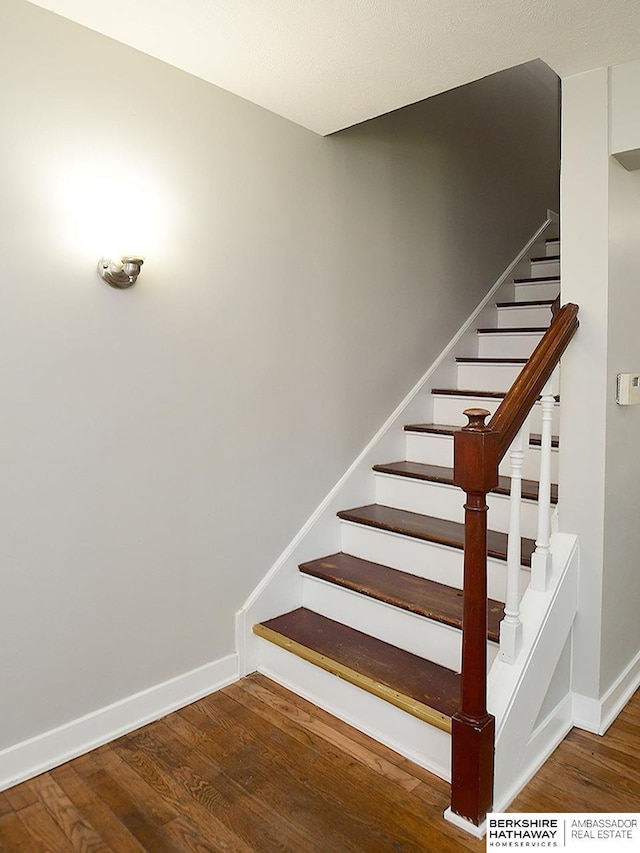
pixel 418 595
pixel 430 529
pixel 420 687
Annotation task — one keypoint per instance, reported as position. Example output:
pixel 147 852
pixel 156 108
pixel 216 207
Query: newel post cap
pixel 476 420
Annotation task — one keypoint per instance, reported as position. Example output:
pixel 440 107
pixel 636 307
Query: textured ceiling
pixel 328 64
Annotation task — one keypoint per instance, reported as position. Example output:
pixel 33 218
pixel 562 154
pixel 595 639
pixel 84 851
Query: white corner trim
pixel 596 715
pixel 388 424
pixel 466 825
pixel 50 749
pixel 586 713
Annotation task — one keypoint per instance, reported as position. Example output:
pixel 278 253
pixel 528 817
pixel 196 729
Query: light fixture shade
pixel 120 274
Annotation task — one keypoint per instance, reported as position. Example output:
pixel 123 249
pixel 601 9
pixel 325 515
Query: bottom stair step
pixel 421 688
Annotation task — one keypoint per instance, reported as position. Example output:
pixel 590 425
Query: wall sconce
pixel 120 274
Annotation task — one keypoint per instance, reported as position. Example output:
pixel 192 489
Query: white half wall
pixel 160 446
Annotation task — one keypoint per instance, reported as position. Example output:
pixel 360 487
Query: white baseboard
pixel 50 749
pixel 596 715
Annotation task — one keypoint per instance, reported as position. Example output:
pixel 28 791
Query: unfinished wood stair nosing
pixel 428 528
pixel 426 598
pixel 379 668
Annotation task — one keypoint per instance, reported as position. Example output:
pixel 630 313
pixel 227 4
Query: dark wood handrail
pixel 512 412
pixel 478 449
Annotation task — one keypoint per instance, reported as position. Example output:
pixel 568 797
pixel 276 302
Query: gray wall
pixel 161 446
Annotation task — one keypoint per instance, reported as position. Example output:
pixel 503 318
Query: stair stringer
pixel 281 588
pixel 517 691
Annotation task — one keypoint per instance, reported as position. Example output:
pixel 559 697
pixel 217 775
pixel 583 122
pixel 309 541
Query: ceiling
pixel 328 64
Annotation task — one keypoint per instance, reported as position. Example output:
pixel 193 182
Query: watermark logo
pixel 568 832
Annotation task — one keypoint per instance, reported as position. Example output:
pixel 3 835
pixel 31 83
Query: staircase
pixel 384 613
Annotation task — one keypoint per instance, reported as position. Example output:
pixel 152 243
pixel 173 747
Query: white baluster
pixel 541 558
pixel 511 626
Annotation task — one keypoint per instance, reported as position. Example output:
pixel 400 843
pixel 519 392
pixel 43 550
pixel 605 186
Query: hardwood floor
pixel 255 768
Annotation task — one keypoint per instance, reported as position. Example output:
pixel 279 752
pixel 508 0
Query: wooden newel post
pixel 476 455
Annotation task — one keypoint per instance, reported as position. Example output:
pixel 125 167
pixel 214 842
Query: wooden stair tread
pixel 545 258
pixel 436 429
pixel 529 303
pixel 476 360
pixel 546 279
pixel 467 392
pixel 418 595
pixel 430 529
pixel 418 686
pixel 535 439
pixel 457 392
pixel 441 474
pixel 514 330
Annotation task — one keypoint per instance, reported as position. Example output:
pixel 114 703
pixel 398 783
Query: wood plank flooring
pixel 255 768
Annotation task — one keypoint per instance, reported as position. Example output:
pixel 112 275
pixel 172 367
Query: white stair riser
pixel 540 269
pixel 424 637
pixel 443 501
pixel 513 317
pixel 425 559
pixel 448 409
pixel 543 290
pixel 552 248
pixel 516 345
pixel 487 377
pixel 438 450
pixel 423 744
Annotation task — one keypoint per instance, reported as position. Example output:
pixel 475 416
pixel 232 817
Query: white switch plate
pixel 628 389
